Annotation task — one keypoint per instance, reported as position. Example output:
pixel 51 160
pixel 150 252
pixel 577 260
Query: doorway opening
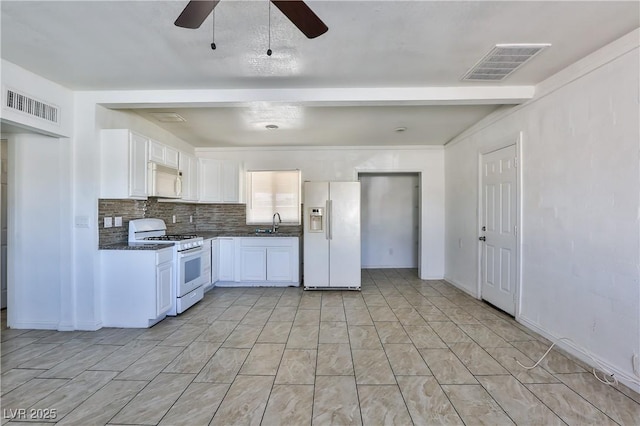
pixel 390 222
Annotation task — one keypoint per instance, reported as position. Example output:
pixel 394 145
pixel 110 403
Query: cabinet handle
pixel 178 186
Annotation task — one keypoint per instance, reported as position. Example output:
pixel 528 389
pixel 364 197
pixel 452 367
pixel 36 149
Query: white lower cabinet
pixel 259 261
pixel 206 264
pixel 226 263
pixel 165 273
pixel 215 260
pixel 137 286
pixel 253 264
pixel 281 264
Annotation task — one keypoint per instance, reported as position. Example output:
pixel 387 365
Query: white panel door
pixel 316 244
pixel 344 234
pixel 499 257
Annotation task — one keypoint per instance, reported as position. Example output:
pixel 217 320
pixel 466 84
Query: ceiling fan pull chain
pixel 269 52
pixel 213 36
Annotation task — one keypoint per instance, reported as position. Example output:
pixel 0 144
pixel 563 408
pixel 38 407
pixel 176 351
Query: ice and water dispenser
pixel 316 219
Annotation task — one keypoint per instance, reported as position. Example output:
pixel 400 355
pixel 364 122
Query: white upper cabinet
pixel 163 154
pixel 220 181
pixel 123 164
pixel 189 168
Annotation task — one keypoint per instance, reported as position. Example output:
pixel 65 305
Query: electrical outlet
pixel 635 360
pixel 190 219
pixel 108 222
pixel 174 218
pixel 117 221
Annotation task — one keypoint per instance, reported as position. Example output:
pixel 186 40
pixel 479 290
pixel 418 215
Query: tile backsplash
pixel 206 217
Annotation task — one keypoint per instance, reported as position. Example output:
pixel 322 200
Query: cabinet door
pixel 215 276
pixel 279 264
pixel 156 152
pixel 230 182
pixel 164 287
pixel 189 169
pixel 253 264
pixel 210 180
pixel 137 166
pixel 226 264
pixel 171 157
pixel 206 263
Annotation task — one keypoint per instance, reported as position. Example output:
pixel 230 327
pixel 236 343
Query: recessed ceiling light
pixel 168 117
pixel 271 126
pixel 399 129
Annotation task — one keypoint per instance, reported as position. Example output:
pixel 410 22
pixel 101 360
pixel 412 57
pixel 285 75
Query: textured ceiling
pixel 111 45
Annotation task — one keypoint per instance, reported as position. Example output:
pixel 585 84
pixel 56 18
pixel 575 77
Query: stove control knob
pixel 200 243
pixel 187 245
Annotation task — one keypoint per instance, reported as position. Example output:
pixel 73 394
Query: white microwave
pixel 164 182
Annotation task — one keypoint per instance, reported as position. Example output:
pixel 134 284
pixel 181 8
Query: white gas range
pixel 189 279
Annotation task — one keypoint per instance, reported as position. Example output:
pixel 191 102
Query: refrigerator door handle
pixel 328 214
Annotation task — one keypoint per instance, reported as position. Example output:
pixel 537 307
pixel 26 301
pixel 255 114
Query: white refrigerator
pixel 332 235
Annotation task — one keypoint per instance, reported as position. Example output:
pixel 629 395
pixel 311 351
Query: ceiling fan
pixel 297 11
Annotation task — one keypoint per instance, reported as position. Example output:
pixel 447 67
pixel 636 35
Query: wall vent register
pixel 502 60
pixel 31 106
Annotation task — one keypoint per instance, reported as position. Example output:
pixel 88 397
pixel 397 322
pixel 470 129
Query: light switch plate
pixel 108 222
pixel 82 221
pixel 117 221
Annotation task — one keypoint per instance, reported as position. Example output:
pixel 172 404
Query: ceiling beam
pixel 361 96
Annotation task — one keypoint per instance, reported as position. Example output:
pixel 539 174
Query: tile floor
pixel 402 351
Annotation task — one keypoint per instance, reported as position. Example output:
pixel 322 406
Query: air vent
pixel 31 106
pixel 503 60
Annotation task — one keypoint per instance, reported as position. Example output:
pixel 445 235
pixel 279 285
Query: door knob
pixel 483 238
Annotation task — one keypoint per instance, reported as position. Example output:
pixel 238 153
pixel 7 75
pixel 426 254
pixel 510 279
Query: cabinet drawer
pixel 266 241
pixel 164 255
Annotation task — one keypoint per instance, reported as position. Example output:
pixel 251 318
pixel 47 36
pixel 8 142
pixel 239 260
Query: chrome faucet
pixel 274 226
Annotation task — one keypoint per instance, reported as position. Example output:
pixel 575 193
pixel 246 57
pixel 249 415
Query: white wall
pixel 336 163
pixel 32 85
pixel 38 230
pixel 580 202
pixel 390 220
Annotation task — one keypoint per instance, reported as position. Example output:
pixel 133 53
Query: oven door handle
pixel 189 251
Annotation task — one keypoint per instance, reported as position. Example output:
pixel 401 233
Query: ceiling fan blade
pixel 195 13
pixel 302 17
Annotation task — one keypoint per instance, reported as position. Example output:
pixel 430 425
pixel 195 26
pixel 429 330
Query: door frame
pixel 506 142
pixel 363 171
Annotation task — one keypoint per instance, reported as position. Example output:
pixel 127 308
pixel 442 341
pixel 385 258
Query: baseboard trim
pixel 34 325
pixel 460 286
pixel 579 353
pixel 89 326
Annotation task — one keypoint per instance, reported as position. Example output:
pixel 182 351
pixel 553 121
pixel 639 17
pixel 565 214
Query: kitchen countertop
pixel 213 234
pixel 204 234
pixel 135 246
